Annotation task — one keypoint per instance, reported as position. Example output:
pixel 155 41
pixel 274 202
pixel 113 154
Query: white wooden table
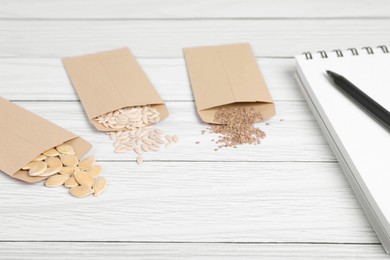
pixel 284 199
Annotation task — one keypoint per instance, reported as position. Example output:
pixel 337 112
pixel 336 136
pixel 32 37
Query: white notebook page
pixel 364 144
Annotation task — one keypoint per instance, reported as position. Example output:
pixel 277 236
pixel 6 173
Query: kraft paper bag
pixel 109 81
pixel 24 135
pixel 227 76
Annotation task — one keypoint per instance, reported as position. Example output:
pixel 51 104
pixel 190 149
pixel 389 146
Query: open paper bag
pixel 111 80
pixel 227 76
pixel 25 135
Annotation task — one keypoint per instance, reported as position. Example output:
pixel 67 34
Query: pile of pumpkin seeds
pixel 62 167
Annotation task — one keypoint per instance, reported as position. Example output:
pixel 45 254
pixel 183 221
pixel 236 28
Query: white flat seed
pixel 37 168
pixel 99 185
pixel 69 160
pixel 80 191
pixel 169 138
pixel 87 163
pixel 153 147
pixel 138 131
pixel 54 162
pixel 112 135
pixel 145 119
pixel 118 126
pixel 40 157
pixel 138 150
pixel 145 148
pixel 175 138
pixel 56 180
pixel 71 182
pixel 122 149
pixel 146 141
pixel 117 142
pixel 51 152
pixel 139 160
pixel 65 149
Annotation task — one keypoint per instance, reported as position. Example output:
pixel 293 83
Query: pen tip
pixel 333 74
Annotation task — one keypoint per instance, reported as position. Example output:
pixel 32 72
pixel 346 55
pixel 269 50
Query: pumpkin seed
pixel 80 191
pixel 40 157
pixel 99 185
pixel 53 162
pixel 83 178
pixel 87 163
pixel 69 160
pixel 71 182
pixel 94 171
pixel 56 180
pixel 51 152
pixel 65 149
pixel 37 168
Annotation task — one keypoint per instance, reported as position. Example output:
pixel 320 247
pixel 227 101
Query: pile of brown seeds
pixel 236 127
pixel 139 136
pixel 62 167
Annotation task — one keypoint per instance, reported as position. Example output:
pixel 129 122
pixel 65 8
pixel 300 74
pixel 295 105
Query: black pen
pixel 370 105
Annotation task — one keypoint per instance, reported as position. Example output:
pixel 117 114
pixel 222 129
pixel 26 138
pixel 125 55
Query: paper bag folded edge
pixel 80 145
pixel 155 99
pixel 263 102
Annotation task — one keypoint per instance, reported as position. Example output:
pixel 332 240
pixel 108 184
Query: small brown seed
pixel 56 180
pixel 99 185
pixel 37 168
pixel 69 160
pixel 65 149
pixel 87 163
pixel 80 191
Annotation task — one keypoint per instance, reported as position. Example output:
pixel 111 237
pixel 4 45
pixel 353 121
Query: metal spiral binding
pixel 353 51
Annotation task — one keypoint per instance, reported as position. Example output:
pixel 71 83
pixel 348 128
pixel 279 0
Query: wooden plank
pixel 297 138
pixel 271 38
pixel 176 9
pixel 172 251
pixel 46 79
pixel 197 202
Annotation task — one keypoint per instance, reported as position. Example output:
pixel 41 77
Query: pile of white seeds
pixel 139 136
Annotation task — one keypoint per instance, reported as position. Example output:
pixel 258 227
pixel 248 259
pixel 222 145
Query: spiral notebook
pixel 361 145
